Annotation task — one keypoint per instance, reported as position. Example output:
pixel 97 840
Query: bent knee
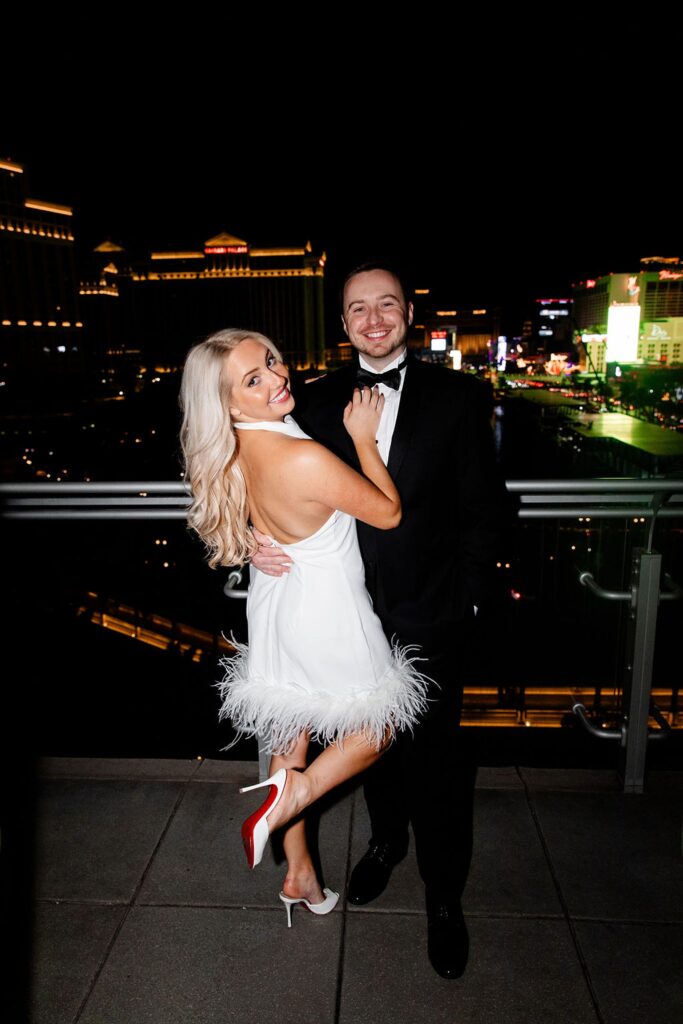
pixel 386 741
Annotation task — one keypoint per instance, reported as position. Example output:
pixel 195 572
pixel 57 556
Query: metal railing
pixel 539 499
pixel 647 501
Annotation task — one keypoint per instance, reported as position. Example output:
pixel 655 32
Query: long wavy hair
pixel 219 512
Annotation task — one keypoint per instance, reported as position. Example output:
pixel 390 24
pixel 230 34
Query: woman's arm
pixel 323 477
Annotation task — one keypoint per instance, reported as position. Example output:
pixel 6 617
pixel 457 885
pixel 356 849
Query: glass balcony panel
pixel 117 627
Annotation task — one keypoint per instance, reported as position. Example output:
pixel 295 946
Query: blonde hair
pixel 219 512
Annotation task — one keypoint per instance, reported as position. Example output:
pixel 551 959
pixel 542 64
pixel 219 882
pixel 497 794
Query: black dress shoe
pixel 372 872
pixel 448 943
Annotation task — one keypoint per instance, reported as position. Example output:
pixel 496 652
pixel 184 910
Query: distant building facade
pixel 472 332
pixel 168 300
pixel 40 323
pixel 552 326
pixel 632 317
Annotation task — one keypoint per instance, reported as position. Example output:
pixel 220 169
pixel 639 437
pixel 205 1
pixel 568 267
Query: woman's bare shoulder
pixel 307 453
pixel 309 461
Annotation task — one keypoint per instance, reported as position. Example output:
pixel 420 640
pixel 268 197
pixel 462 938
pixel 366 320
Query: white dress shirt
pixel 392 399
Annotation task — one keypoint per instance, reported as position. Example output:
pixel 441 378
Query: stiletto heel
pixel 255 830
pixel 328 904
pixel 288 908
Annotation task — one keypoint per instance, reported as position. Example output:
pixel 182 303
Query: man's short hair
pixel 364 268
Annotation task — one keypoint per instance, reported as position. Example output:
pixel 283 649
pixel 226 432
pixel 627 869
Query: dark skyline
pixel 490 233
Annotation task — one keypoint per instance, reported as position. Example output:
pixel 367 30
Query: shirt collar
pixel 399 358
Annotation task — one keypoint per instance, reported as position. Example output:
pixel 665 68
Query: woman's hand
pixel 363 413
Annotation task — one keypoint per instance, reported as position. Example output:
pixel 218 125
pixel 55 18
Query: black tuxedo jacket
pixel 426 575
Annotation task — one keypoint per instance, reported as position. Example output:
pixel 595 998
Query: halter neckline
pixel 286 426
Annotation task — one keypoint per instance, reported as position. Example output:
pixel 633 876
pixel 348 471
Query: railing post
pixel 646 569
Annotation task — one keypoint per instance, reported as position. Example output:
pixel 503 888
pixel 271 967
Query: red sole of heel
pixel 248 843
pixel 250 824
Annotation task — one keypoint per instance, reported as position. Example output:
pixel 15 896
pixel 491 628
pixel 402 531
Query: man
pixel 426 579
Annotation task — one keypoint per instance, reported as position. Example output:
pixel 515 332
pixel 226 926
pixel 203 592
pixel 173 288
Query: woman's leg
pixel 301 878
pixel 332 767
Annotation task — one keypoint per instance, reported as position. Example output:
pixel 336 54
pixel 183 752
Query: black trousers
pixel 427 780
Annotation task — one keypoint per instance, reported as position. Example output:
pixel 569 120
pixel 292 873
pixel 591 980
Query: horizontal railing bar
pixel 154 511
pixel 594 485
pixel 631 512
pixel 608 499
pixel 140 488
pixel 127 501
pixel 86 513
pixel 539 499
pixel 613 486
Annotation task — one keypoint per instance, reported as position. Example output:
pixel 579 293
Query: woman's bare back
pixel 278 503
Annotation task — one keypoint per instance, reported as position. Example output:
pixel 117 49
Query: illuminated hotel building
pixel 632 318
pixel 40 326
pixel 170 299
pixel 473 332
pixel 552 326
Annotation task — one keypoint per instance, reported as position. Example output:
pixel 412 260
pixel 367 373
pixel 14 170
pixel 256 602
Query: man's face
pixel 375 315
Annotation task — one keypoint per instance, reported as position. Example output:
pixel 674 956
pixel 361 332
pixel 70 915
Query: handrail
pixel 539 499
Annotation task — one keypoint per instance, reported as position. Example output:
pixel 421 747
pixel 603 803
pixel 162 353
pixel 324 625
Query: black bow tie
pixel 392 378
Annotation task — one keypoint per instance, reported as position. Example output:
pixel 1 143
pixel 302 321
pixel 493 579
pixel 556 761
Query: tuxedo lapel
pixel 345 383
pixel 408 413
pixel 328 401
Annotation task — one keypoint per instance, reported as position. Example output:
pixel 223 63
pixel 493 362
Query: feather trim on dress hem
pixel 279 713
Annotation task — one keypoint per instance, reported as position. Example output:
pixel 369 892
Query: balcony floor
pixel 146 912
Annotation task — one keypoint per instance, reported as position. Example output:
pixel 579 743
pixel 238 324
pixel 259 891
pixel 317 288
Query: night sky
pixel 496 216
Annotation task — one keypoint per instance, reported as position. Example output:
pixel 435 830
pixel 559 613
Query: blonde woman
pixel 318 665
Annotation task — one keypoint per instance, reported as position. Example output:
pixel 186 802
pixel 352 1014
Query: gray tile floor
pixel 145 911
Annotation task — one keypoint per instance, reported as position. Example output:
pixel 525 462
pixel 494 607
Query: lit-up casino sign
pixel 439 341
pixel 657 332
pixel 623 324
pixel 501 352
pixel 213 250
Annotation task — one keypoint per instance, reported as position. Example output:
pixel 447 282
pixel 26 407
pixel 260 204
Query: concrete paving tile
pixel 571 780
pixel 201 859
pixel 664 781
pixel 616 857
pixel 94 838
pixel 520 971
pixel 509 871
pixel 168 769
pixel 508 874
pixel 635 970
pixel 498 778
pixel 69 944
pixel 173 965
pixel 241 772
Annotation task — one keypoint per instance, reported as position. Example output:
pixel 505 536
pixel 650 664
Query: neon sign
pixel 212 250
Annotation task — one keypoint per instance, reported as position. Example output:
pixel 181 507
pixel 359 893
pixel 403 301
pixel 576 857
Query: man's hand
pixel 269 559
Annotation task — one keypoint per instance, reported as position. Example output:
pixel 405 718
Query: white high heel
pixel 255 830
pixel 328 904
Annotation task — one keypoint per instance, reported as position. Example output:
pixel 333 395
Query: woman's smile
pixel 282 395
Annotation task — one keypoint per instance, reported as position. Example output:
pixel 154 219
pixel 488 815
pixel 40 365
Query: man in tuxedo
pixel 426 579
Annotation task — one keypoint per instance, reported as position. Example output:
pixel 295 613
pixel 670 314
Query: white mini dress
pixel 317 658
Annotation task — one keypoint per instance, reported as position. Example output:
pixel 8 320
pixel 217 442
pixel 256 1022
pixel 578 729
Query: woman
pixel 318 665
